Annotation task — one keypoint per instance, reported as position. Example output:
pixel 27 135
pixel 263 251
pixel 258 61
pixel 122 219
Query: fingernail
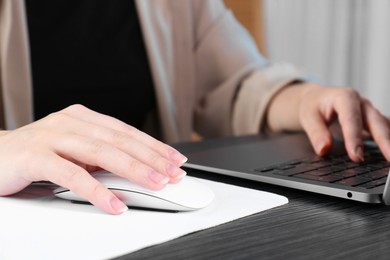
pixel 177 157
pixel 359 153
pixel 175 172
pixel 158 178
pixel 117 205
pixel 320 146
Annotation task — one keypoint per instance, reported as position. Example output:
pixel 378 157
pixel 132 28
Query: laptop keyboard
pixel 338 169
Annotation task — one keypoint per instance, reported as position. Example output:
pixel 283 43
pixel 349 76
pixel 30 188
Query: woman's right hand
pixel 66 146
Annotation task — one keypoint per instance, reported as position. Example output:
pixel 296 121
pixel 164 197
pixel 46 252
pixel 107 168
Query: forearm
pixel 3 132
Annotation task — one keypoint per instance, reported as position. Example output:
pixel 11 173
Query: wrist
pixel 284 109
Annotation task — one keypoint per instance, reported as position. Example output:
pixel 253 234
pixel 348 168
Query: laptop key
pixel 302 168
pixel 346 174
pixel 373 184
pixel 265 169
pixel 350 165
pixel 356 171
pixel 322 164
pixel 326 178
pixel 321 172
pixel 376 174
pixel 337 168
pixel 289 170
pixel 367 185
pixel 383 164
pixel 380 182
pixel 295 162
pixel 285 167
pixel 354 181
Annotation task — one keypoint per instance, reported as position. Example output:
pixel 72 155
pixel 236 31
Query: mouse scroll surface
pixel 189 194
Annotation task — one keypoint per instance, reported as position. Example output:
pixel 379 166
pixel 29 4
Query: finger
pixel 76 179
pixel 97 153
pixel 317 130
pixel 139 151
pixel 348 107
pixel 131 146
pixel 379 127
pixel 90 116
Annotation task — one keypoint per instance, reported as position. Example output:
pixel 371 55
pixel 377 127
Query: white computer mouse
pixel 189 194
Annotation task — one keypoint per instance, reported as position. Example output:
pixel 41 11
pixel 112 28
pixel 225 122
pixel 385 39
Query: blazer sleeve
pixel 235 83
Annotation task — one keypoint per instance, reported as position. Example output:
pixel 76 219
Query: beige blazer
pixel 208 75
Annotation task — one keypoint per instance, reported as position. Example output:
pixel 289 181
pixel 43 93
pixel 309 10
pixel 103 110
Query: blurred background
pixel 339 42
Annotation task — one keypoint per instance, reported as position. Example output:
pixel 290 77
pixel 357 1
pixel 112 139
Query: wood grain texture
pixel 310 226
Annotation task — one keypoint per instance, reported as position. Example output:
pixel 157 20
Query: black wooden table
pixel 310 226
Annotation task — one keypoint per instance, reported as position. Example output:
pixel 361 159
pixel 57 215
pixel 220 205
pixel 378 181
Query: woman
pixel 175 66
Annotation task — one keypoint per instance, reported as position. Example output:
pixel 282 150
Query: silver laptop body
pixel 264 158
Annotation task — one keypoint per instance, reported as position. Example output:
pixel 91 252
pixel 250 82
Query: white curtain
pixel 341 42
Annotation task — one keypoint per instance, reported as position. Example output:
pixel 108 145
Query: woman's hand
pixel 314 108
pixel 66 146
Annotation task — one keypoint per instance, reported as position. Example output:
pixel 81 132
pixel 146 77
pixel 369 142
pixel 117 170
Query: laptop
pixel 289 160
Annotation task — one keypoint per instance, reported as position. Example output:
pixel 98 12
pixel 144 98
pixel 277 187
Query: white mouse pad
pixel 36 225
